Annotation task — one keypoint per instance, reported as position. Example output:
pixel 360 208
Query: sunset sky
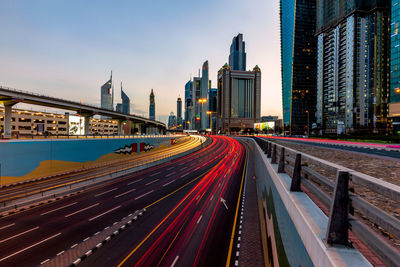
pixel 67 49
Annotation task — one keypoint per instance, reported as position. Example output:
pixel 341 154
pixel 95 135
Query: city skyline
pixel 63 59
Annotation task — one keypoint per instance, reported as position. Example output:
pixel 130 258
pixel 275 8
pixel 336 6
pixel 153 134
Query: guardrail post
pixel 273 157
pixel 269 150
pixel 295 185
pixel 281 166
pixel 338 225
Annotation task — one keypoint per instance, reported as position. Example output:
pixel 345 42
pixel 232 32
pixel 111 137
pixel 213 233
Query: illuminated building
pixel 28 123
pixel 353 65
pixel 394 105
pixel 171 120
pixel 188 104
pixel 239 98
pixel 298 59
pixel 179 112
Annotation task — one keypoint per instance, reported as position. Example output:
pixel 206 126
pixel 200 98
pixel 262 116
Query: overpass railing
pixel 25 136
pixel 348 210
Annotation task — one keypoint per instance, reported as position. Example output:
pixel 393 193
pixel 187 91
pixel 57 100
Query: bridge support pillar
pixel 87 124
pixel 7 118
pixel 295 185
pixel 119 122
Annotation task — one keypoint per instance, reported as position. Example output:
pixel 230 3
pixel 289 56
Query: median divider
pixel 17 205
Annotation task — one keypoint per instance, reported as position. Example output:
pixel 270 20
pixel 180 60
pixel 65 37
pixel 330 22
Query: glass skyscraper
pixel 188 104
pixel 107 94
pixel 298 57
pixel 126 102
pixel 237 56
pixel 352 66
pixel 394 105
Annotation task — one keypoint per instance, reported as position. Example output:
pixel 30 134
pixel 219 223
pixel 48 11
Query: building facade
pixel 172 121
pixel 107 95
pixel 212 107
pixel 237 56
pixel 126 102
pixel 239 99
pixel 152 107
pixel 188 104
pixel 179 112
pixel 29 122
pixel 353 66
pixel 298 59
pixel 394 105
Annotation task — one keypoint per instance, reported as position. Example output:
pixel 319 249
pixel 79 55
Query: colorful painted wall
pixel 24 158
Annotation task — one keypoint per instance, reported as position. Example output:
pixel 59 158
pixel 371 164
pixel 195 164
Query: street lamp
pixel 308 123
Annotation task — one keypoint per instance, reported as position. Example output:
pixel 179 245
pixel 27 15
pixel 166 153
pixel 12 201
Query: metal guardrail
pixel 342 201
pixel 43 137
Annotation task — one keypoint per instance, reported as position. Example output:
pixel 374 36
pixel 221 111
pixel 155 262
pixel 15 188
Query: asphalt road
pixel 185 218
pixel 18 191
pixel 369 151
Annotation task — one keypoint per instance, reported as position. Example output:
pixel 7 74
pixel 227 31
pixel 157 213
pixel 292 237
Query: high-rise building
pixel 188 104
pixel 205 83
pixel 126 102
pixel 171 121
pixel 237 56
pixel 239 99
pixel 152 107
pixel 196 107
pixel 212 107
pixel 394 105
pixel 179 112
pixel 298 59
pixel 353 65
pixel 107 93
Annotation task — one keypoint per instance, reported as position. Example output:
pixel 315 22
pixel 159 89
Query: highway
pixel 18 191
pixel 190 208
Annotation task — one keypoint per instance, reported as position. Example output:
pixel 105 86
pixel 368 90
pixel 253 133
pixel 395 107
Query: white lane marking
pixel 170 168
pixel 184 168
pixel 201 216
pixel 144 194
pixel 59 253
pixel 154 174
pixel 43 262
pixel 135 181
pixel 172 173
pixel 78 211
pixel 6 226
pixel 86 239
pixel 106 192
pixel 104 213
pixel 127 192
pixel 169 182
pixel 211 198
pixel 185 174
pixel 31 246
pixel 197 168
pixel 174 262
pixel 14 236
pixel 74 245
pixel 47 212
pixel 152 181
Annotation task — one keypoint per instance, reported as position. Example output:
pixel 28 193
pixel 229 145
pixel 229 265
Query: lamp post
pixel 308 123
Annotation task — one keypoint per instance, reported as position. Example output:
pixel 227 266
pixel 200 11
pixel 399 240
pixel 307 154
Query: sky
pixel 67 49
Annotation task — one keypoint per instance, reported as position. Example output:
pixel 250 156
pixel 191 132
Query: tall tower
pixel 188 104
pixel 237 57
pixel 299 68
pixel 106 97
pixel 126 103
pixel 204 95
pixel 152 107
pixel 179 112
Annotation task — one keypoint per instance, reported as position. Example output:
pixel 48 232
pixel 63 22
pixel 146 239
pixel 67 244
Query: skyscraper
pixel 237 56
pixel 239 99
pixel 188 104
pixel 298 59
pixel 179 112
pixel 152 107
pixel 106 99
pixel 212 106
pixel 394 105
pixel 353 65
pixel 126 103
pixel 171 120
pixel 204 95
